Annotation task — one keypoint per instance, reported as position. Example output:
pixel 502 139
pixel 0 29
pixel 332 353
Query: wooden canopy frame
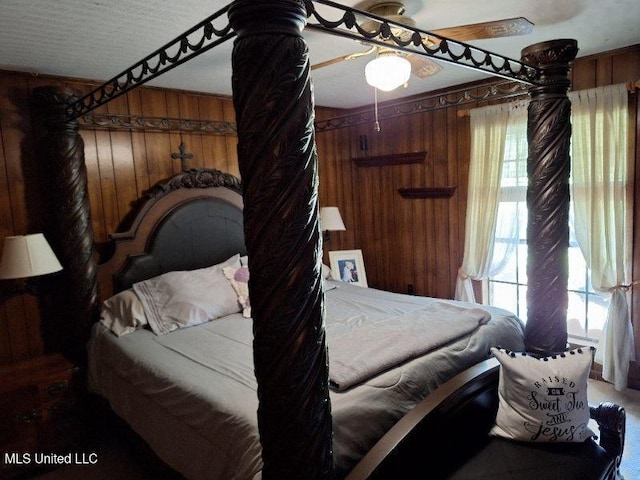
pixel 278 165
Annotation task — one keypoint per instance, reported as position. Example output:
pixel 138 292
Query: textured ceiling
pixel 99 39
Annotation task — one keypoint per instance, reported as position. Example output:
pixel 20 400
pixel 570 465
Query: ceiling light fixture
pixel 387 71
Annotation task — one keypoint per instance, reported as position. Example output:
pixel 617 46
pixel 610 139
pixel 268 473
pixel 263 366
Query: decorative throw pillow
pixel 239 278
pixel 326 271
pixel 123 313
pixel 543 399
pixel 185 298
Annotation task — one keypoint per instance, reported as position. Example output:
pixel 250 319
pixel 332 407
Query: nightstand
pixel 39 410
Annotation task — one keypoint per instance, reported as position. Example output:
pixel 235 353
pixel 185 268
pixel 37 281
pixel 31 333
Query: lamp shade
pixel 330 219
pixel 27 256
pixel 387 71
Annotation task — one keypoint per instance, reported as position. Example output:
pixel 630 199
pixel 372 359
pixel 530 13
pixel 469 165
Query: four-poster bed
pixel 278 166
pixel 193 221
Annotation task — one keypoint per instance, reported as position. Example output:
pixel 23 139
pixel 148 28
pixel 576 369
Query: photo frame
pixel 348 266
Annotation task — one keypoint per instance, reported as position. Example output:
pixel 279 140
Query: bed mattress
pixel 191 393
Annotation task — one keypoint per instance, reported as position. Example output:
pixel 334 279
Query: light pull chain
pixel 375 106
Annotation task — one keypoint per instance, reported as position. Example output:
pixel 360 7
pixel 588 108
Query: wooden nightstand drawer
pixel 39 408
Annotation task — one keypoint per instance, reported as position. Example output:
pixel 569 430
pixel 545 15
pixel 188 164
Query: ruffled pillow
pixel 239 279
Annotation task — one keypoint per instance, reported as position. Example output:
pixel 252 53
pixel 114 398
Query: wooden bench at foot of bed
pixel 446 436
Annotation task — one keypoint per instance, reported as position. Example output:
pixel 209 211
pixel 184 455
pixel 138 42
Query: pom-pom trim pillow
pixel 543 399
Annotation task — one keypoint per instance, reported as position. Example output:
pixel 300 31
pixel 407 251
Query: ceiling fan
pixel 421 66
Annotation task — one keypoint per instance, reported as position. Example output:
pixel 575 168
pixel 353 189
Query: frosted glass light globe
pixel 387 72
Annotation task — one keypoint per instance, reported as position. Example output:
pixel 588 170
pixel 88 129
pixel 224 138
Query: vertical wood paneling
pixel 453 160
pixel 188 107
pixel 123 167
pixel 215 146
pixel 441 205
pixel 138 145
pixel 93 183
pixel 229 115
pixel 583 74
pixel 14 126
pixel 158 146
pixel 176 138
pixel 401 259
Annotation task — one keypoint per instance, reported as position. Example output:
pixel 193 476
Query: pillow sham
pixel 543 399
pixel 123 313
pixel 239 279
pixel 185 298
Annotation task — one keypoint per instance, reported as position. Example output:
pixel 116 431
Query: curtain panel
pixel 602 198
pixel 483 256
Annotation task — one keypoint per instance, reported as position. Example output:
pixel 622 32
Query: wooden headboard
pixel 189 221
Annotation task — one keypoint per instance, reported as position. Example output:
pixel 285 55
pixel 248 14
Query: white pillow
pixel 123 313
pixel 543 399
pixel 186 298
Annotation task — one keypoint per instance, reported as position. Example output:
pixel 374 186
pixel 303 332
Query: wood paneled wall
pixel 417 242
pixel 121 165
pixel 420 242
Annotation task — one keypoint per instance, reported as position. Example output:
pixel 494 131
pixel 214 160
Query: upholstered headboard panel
pixel 197 234
pixel 182 226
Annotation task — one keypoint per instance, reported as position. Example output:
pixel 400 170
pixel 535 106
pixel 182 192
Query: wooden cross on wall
pixel 183 156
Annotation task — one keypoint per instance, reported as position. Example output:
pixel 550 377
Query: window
pixel 507 285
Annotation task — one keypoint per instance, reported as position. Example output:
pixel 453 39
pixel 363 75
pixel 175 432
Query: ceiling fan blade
pixel 350 56
pixel 423 67
pixel 478 31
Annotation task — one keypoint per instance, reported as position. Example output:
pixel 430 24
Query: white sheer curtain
pixel 489 126
pixel 602 194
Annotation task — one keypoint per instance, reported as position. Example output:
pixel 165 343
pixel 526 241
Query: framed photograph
pixel 348 266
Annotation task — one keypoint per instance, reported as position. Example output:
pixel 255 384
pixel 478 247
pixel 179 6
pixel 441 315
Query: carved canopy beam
pixel 417 41
pixel 548 168
pixel 195 41
pixel 278 165
pixel 205 36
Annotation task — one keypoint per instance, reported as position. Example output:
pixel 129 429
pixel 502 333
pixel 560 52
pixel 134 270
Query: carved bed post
pixel 548 168
pixel 278 165
pixel 60 148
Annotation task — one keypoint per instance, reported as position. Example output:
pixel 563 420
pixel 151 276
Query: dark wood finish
pixel 75 291
pixel 392 159
pixel 447 428
pixel 39 410
pixel 427 192
pixel 279 169
pixel 132 241
pixel 131 157
pixel 290 352
pixel 548 170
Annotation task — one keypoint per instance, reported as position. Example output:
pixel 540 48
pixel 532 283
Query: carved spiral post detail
pixel 278 165
pixel 548 169
pixel 61 149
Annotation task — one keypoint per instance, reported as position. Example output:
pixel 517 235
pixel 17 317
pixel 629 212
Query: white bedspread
pixel 191 393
